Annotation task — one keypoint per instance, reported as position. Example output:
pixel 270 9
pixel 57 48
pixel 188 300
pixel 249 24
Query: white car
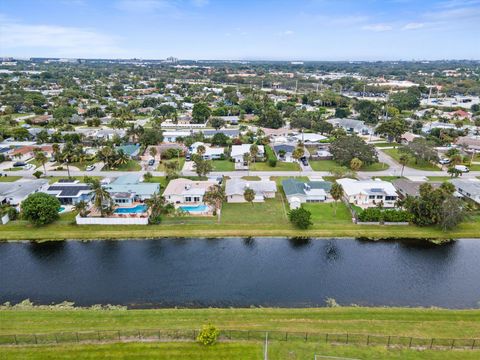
pixel 28 166
pixel 444 161
pixel 90 168
pixel 462 168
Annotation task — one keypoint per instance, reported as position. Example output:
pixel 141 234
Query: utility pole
pixel 296 86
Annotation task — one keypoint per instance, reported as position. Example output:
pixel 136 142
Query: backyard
pixel 331 165
pixel 181 162
pixel 272 211
pixel 325 213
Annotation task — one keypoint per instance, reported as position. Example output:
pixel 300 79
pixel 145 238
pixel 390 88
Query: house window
pixel 390 198
pixel 371 197
pixel 188 199
pixel 379 197
pixel 196 199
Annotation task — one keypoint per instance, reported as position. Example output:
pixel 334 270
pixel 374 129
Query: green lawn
pixel 281 166
pixel 54 179
pixel 251 178
pixel 9 178
pixel 18 168
pixel 325 212
pixel 385 144
pixel 439 178
pixel 157 351
pixel 223 165
pixel 388 178
pixel 420 165
pixel 131 165
pixel 474 167
pixel 270 211
pixel 159 179
pixel 330 165
pixel 416 322
pixel 181 162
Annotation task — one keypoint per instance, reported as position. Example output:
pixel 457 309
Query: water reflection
pixel 249 242
pixel 331 251
pixel 48 250
pixel 300 242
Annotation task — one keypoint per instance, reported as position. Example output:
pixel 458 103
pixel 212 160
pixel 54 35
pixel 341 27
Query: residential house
pixel 471 143
pixel 369 193
pixel 14 193
pixel 132 150
pixel 407 187
pixel 469 188
pixel 284 152
pixel 70 192
pixel 230 119
pixel 235 189
pixel 231 133
pixel 298 192
pixel 211 153
pixel 172 136
pixel 186 192
pixel 239 150
pixel 309 138
pixel 24 153
pixel 129 189
pixel 352 126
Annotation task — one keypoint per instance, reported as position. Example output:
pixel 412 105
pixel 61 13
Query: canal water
pixel 242 272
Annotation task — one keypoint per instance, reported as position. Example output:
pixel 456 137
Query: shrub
pixel 300 218
pixel 147 176
pixel 272 162
pixel 390 215
pixel 171 153
pixel 208 335
pixel 40 208
pixel 37 174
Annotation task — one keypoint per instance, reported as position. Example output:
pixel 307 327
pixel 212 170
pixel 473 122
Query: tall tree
pixel 337 193
pixel 249 195
pixel 41 158
pixel 215 196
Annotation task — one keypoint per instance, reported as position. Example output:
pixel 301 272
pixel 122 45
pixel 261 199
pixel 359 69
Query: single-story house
pixel 472 143
pixel 211 153
pixel 351 126
pixel 235 189
pixel 172 136
pixel 407 187
pixel 369 193
pixel 309 138
pixel 128 189
pixel 231 133
pixel 70 192
pixel 230 119
pixel 132 150
pixel 469 188
pixel 186 192
pixel 24 153
pixel 298 192
pixel 284 152
pixel 14 193
pixel 239 150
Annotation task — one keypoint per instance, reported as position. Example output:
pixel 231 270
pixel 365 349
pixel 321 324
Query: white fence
pixel 111 221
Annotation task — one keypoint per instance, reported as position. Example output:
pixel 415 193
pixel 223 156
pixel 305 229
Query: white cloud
pixel 55 40
pixel 288 32
pixel 377 27
pixel 144 6
pixel 413 26
pixel 200 3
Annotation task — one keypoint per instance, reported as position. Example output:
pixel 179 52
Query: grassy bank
pixel 424 323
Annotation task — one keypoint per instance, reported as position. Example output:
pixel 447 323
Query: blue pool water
pixel 61 209
pixel 194 209
pixel 131 210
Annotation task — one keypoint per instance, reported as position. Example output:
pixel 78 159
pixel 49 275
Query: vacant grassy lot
pixel 439 178
pixel 223 165
pixel 271 211
pixel 157 351
pixel 9 178
pixel 331 165
pixel 162 180
pixel 420 165
pixel 325 213
pixel 281 166
pixel 181 162
pixel 416 322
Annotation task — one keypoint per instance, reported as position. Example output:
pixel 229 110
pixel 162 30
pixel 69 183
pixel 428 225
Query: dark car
pixel 188 157
pixel 19 163
pixel 151 162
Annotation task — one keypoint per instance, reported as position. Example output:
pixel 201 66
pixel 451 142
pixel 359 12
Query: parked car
pixel 151 162
pixel 188 157
pixel 90 168
pixel 462 168
pixel 29 166
pixel 444 161
pixel 19 164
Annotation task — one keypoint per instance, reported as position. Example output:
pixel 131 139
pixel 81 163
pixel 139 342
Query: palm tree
pixel 153 151
pixel 249 195
pixel 81 208
pixel 356 164
pixel 298 153
pixel 337 193
pixel 41 158
pixel 101 197
pixel 214 197
pixel 67 154
pixel 201 150
pixel 106 154
pixel 403 160
pixel 122 158
pixel 254 151
pixel 156 204
pixel 56 151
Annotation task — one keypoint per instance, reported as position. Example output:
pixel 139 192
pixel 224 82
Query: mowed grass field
pixel 421 323
pixel 419 165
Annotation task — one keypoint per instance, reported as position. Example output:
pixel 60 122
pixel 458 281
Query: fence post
pixel 326 338
pixel 388 343
pixel 368 339
pixel 76 335
pixel 306 336
pixel 15 339
pixel 347 339
pixel 35 336
pixel 410 343
pixel 473 344
pixel 431 343
pixel 453 343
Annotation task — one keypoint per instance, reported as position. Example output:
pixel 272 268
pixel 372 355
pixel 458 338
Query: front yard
pixel 181 162
pixel 281 166
pixel 331 165
pixel 419 165
pixel 223 165
pixel 131 165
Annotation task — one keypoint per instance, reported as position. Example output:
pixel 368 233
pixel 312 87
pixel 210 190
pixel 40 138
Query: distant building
pixel 352 126
pixel 469 188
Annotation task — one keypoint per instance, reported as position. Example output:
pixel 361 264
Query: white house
pixel 171 136
pixel 352 126
pixel 239 150
pixel 14 193
pixel 469 188
pixel 309 138
pixel 369 193
pixel 211 153
pixel 186 192
pixel 235 189
pixel 70 192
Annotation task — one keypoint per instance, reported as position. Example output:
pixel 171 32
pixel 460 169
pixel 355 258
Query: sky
pixel 242 29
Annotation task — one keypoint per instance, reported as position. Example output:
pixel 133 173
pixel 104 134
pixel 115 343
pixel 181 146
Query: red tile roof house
pixel 460 114
pixel 40 120
pixel 25 153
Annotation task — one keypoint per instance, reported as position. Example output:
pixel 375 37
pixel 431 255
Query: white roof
pixel 238 186
pixel 187 187
pixel 310 137
pixel 353 187
pixel 239 150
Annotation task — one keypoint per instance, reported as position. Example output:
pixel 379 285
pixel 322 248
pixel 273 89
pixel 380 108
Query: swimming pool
pixel 131 210
pixel 61 209
pixel 194 209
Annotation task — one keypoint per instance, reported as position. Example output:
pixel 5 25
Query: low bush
pixel 382 215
